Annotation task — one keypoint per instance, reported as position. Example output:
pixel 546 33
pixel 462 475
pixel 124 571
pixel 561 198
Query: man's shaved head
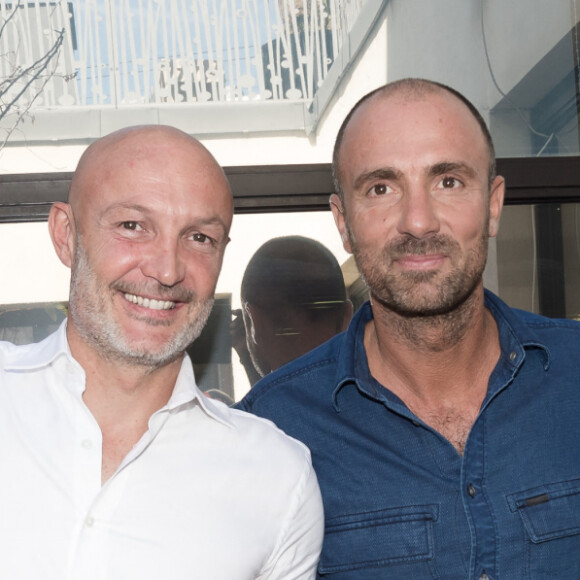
pixel 104 155
pixel 144 234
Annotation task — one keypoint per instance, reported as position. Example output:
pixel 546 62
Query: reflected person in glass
pixel 293 299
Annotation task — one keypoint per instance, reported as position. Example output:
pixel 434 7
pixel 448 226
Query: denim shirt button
pixel 471 491
pixel 484 576
pixel 513 356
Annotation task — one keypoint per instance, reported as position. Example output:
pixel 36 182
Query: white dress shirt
pixel 208 493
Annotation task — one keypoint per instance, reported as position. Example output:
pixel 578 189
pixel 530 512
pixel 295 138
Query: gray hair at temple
pixel 414 88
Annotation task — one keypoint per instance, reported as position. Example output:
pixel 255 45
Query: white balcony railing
pixel 63 54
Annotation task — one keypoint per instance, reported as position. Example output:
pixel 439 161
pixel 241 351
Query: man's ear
pixel 339 219
pixel 262 331
pixel 252 322
pixel 496 197
pixel 61 227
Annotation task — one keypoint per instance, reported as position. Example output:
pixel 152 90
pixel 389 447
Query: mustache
pixel 407 245
pixel 157 291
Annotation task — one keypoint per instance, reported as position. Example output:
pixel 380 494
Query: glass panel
pixel 249 233
pixel 26 323
pixel 538 257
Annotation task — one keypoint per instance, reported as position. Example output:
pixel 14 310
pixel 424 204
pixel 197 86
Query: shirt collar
pixel 514 334
pixel 515 337
pixel 352 366
pixel 185 392
pixel 41 354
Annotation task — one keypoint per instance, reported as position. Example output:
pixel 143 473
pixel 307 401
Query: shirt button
pixel 513 357
pixel 86 444
pixel 89 521
pixel 484 576
pixel 471 491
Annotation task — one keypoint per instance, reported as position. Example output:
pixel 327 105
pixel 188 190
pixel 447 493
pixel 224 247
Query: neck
pixel 429 334
pixel 137 388
pixel 432 355
pixel 439 366
pixel 106 373
pixel 121 397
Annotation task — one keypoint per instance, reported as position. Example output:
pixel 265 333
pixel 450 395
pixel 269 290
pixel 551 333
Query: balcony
pixel 79 69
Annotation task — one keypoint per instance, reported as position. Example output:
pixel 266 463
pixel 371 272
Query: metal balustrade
pixel 128 52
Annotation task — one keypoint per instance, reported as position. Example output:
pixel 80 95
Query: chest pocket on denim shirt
pixel 371 540
pixel 551 517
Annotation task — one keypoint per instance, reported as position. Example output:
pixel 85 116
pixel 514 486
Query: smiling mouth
pixel 150 303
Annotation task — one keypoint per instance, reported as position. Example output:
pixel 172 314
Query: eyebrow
pixel 451 167
pixel 125 205
pixel 210 221
pixel 392 174
pixel 387 173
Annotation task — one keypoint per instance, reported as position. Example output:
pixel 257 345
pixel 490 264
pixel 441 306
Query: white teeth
pixel 150 302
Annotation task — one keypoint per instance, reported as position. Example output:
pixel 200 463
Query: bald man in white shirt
pixel 115 466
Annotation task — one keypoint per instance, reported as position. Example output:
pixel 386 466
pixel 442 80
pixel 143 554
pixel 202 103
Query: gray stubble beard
pixel 87 307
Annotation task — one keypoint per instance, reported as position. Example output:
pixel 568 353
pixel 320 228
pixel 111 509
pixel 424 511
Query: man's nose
pixel 163 262
pixel 418 217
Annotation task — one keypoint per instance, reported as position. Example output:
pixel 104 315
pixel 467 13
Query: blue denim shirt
pixel 400 502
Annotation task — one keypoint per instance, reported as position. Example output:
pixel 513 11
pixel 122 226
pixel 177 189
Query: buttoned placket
pixel 95 504
pixel 87 463
pixel 477 509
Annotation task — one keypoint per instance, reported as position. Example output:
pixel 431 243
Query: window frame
pixel 299 187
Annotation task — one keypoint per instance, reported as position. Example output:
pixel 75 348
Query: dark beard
pixel 403 293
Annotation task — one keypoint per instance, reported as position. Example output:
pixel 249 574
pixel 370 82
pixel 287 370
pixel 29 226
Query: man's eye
pixel 133 226
pixel 200 238
pixel 380 189
pixel 449 182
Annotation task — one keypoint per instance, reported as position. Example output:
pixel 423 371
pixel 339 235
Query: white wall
pixel 31 271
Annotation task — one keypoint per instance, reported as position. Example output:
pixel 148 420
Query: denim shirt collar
pixel 515 338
